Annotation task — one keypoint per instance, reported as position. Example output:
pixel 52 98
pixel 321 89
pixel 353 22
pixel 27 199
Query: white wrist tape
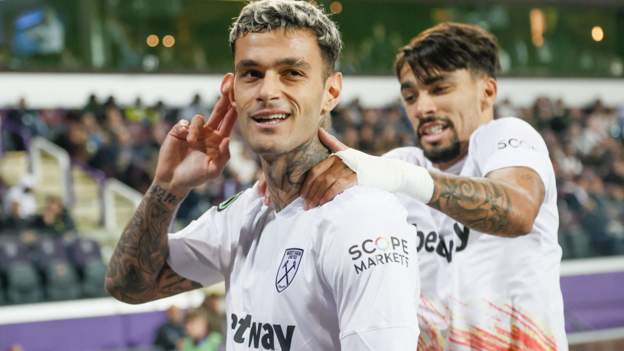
pixel 392 175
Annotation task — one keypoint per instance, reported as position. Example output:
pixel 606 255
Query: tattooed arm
pixel 138 271
pixel 190 155
pixel 505 203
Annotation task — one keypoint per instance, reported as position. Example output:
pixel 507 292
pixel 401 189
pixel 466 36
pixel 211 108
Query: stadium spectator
pixel 199 336
pixel 22 195
pixel 214 316
pixel 169 335
pixel 54 219
pixel 13 222
pixel 196 107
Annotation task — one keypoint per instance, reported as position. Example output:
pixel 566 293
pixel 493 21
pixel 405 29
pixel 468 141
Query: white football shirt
pixel 343 276
pixel 496 292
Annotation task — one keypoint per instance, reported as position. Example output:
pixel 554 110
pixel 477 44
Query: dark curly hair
pixel 448 47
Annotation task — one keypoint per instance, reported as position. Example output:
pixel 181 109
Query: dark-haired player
pixel 490 259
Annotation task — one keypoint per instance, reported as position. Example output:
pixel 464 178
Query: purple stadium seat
pixel 47 250
pixel 12 250
pixel 82 250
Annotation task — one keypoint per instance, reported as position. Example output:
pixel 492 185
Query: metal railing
pixel 40 146
pixel 111 190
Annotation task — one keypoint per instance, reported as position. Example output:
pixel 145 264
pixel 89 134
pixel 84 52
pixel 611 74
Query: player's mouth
pixel 434 131
pixel 270 118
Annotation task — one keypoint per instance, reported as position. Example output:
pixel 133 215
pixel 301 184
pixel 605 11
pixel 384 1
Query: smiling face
pixel 281 89
pixel 445 109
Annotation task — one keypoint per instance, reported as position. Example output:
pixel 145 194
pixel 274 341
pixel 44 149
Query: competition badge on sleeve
pixel 288 268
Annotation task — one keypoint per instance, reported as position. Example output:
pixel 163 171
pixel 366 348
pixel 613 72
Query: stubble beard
pixel 443 154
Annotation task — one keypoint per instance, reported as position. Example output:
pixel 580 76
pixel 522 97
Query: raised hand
pixel 197 151
pixel 328 178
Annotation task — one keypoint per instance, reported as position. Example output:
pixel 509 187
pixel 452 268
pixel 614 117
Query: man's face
pixel 280 90
pixel 445 109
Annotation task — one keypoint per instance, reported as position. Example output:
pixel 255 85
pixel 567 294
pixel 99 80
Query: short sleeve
pixel 511 142
pixel 203 250
pixel 370 264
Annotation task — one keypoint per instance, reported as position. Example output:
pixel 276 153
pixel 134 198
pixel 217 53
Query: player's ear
pixel 227 87
pixel 489 90
pixel 333 88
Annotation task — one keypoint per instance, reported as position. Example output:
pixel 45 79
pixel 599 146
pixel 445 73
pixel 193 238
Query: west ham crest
pixel 288 268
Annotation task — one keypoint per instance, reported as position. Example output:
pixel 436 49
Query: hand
pixel 328 178
pixel 197 151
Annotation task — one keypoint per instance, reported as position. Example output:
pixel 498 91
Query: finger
pixel 318 189
pixel 331 193
pixel 338 187
pixel 338 176
pixel 180 130
pixel 314 173
pixel 218 112
pixel 194 133
pixel 224 149
pixel 330 141
pixel 225 129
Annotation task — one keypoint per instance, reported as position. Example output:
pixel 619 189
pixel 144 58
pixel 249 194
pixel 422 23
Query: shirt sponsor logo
pixel 288 268
pixel 514 143
pixel 434 242
pixel 379 251
pixel 260 335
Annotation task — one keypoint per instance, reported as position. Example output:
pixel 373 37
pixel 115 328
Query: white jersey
pixel 498 292
pixel 343 276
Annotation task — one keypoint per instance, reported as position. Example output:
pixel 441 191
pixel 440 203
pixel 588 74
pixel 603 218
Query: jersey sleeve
pixel 511 142
pixel 408 154
pixel 203 250
pixel 370 266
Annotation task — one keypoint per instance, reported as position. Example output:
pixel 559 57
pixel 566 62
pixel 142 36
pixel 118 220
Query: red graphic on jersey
pixel 430 337
pixel 524 335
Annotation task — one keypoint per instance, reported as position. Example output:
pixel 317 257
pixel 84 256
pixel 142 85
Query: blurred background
pixel 89 89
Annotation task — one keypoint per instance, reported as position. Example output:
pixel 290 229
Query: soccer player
pixel 343 276
pixel 490 266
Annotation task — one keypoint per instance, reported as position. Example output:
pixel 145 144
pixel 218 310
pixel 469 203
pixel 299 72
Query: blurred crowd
pixel 586 147
pixel 21 216
pixel 198 329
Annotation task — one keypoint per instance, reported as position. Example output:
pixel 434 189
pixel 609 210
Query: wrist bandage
pixel 392 175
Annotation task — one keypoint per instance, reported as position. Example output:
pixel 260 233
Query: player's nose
pixel 424 106
pixel 269 88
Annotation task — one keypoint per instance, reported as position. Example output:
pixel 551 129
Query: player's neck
pixel 285 173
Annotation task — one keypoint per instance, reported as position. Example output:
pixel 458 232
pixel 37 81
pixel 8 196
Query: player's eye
pixel 439 89
pixel 251 74
pixel 409 98
pixel 293 73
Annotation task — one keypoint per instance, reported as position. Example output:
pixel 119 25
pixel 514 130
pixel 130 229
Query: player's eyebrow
pixel 246 63
pixel 293 62
pixel 407 85
pixel 434 79
pixel 296 62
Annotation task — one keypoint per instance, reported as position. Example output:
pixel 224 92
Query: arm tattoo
pixel 137 271
pixel 478 203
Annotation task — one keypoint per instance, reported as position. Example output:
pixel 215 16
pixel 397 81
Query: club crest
pixel 288 268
